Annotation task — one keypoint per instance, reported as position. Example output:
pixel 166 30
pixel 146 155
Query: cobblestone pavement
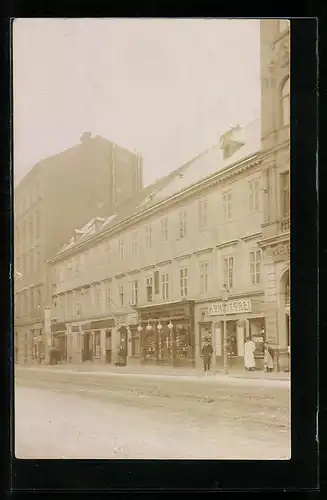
pixel 72 414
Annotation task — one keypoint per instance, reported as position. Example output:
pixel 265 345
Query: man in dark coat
pixel 207 353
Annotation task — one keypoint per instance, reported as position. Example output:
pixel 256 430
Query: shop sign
pixel 230 307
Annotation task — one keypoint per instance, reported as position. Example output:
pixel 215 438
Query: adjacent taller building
pixel 275 133
pixel 57 195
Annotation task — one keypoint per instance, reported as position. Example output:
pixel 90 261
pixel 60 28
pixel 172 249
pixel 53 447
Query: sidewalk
pixel 161 370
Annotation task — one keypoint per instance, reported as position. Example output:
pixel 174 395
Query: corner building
pixel 275 242
pixel 146 281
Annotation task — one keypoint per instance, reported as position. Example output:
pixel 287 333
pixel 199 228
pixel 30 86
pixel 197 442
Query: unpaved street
pixel 89 415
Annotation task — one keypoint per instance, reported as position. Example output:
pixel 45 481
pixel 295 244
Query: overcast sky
pixel 168 88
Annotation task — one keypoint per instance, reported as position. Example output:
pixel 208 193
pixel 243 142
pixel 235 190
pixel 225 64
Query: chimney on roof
pixel 231 141
pixel 85 137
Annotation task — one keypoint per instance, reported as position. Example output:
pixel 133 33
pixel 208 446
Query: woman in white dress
pixel 249 361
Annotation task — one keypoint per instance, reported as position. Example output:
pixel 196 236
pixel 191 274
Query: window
pixel 165 285
pixel 78 264
pixel 203 215
pixel 69 303
pixel 134 243
pixel 97 292
pixel 183 281
pixel 182 224
pixel 121 249
pixel 148 231
pixel 69 269
pixel 121 294
pixel 254 193
pixel 164 228
pixel 285 194
pixel 255 262
pixel 37 224
pixel 108 297
pixel 149 288
pixel 31 235
pixel 228 272
pixel 285 102
pixel 133 293
pixel 32 302
pixel 227 205
pixel 204 276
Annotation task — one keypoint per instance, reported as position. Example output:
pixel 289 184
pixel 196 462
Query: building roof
pixel 199 168
pixel 85 138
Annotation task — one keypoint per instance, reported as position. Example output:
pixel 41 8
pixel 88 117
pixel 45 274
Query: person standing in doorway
pixel 249 361
pixel 268 358
pixel 207 353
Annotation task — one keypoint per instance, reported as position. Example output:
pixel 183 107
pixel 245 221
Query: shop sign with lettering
pixel 230 307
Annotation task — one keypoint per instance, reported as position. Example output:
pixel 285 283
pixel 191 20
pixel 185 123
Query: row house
pixel 150 281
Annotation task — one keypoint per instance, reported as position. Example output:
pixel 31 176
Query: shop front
pixel 96 340
pixel 58 352
pixel 226 324
pixel 165 334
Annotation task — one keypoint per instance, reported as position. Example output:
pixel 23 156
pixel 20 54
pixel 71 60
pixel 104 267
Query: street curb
pixel 212 376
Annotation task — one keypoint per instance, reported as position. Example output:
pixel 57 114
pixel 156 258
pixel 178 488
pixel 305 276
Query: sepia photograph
pixel 151 166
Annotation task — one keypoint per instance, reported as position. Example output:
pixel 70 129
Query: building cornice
pixel 274 240
pixel 203 250
pixel 183 256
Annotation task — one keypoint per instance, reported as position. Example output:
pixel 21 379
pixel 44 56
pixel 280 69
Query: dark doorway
pixel 86 352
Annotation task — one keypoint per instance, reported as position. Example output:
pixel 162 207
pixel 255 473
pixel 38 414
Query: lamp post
pixel 224 297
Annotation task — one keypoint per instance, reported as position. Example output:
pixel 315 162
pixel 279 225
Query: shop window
pixel 205 333
pixel 97 345
pixel 184 349
pixel 150 345
pixel 135 343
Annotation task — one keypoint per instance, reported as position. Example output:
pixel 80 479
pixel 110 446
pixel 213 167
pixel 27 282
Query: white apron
pixel 249 348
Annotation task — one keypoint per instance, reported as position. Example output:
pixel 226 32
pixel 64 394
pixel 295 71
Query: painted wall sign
pixel 231 307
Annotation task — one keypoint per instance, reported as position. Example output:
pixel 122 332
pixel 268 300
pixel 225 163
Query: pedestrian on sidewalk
pixel 249 361
pixel 207 353
pixel 268 358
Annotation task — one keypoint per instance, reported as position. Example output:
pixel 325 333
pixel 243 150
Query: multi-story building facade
pixel 150 279
pixel 58 194
pixel 275 243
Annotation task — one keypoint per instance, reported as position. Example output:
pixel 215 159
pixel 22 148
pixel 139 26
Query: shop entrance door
pixel 165 343
pixel 86 352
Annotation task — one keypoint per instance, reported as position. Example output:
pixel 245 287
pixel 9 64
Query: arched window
pixel 285 102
